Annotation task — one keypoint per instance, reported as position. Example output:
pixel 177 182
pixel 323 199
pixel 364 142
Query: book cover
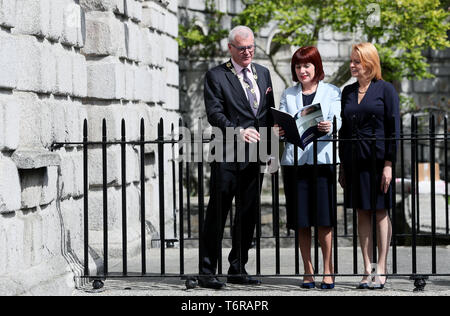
pixel 300 129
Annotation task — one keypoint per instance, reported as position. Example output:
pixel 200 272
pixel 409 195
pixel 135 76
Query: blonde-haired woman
pixel 372 104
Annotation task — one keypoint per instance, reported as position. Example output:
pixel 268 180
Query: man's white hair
pixel 242 31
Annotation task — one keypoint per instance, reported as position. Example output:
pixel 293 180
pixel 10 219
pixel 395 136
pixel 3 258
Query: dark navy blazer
pixel 377 113
pixel 227 105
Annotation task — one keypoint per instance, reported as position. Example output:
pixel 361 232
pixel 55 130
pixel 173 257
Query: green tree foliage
pixel 194 42
pixel 402 30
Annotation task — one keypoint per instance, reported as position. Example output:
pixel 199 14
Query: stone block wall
pixel 436 91
pixel 61 62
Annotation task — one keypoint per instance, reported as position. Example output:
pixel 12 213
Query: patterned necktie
pixel 250 92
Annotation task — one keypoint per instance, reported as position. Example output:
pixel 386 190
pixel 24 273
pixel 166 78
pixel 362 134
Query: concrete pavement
pixel 275 286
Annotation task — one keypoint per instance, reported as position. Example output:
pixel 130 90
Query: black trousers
pixel 225 185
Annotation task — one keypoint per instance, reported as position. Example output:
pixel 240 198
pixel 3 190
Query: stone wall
pixel 435 91
pixel 61 62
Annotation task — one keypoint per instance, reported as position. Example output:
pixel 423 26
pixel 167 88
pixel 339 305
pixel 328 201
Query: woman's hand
pixel 386 178
pixel 325 126
pixel 279 132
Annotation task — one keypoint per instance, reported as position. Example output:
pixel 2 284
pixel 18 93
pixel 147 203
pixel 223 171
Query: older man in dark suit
pixel 238 96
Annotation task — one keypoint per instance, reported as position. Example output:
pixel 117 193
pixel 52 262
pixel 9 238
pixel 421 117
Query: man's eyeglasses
pixel 242 49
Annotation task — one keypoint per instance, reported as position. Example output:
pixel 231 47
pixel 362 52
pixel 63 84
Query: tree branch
pixel 274 64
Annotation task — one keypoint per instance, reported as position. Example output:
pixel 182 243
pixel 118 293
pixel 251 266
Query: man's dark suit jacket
pixel 227 104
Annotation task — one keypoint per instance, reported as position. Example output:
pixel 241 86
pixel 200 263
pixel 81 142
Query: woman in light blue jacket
pixel 307 70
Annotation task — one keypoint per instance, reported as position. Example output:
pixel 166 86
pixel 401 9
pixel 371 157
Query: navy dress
pixel 378 113
pixel 299 189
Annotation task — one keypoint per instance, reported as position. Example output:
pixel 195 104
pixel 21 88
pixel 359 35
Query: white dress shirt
pixel 250 76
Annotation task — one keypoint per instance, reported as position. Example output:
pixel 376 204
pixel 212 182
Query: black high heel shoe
pixel 308 286
pixel 379 286
pixel 363 286
pixel 326 286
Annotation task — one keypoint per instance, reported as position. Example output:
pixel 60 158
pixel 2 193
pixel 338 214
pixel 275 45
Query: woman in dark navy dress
pixel 372 105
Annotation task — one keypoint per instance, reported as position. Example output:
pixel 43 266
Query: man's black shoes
pixel 242 280
pixel 210 283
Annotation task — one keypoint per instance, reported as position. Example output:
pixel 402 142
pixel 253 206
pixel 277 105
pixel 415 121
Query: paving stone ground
pixel 288 285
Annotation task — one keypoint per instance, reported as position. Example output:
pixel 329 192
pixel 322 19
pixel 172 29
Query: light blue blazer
pixel 329 97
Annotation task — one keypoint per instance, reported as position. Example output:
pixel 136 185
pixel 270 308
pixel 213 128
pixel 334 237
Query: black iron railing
pixel 184 230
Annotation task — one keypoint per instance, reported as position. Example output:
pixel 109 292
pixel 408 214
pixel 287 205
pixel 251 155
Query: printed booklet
pixel 301 128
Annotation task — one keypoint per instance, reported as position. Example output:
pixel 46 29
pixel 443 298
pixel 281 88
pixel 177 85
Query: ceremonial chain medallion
pixel 247 86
